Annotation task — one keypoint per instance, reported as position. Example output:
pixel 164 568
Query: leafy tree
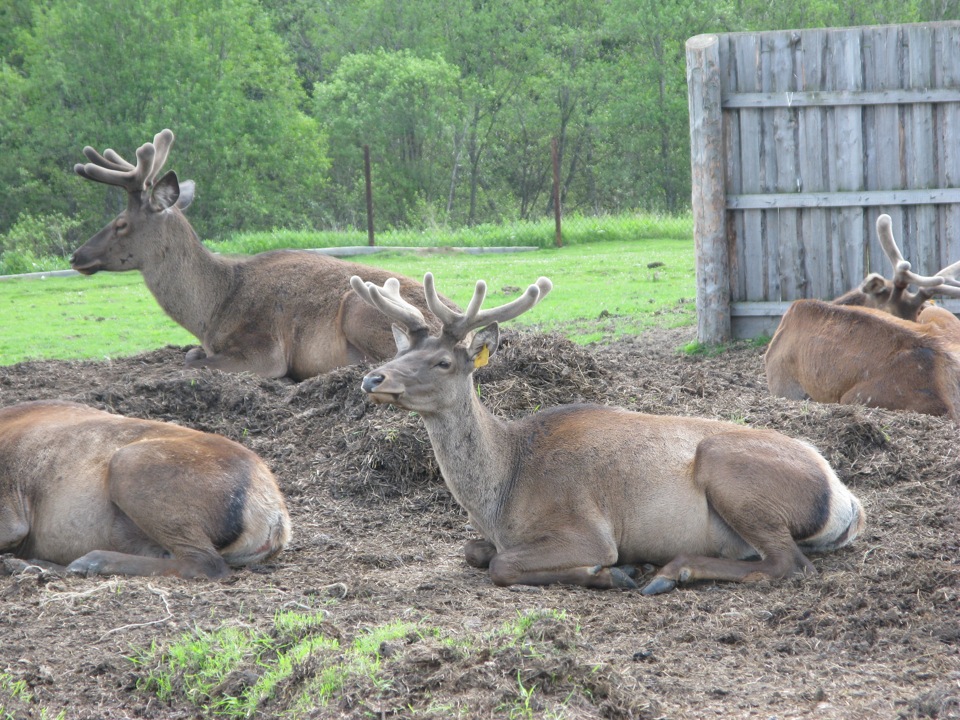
pixel 404 108
pixel 644 121
pixel 106 72
pixel 458 102
pixel 495 45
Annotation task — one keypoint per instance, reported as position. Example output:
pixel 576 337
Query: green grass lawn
pixel 601 290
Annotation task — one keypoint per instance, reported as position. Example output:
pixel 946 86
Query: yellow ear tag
pixel 482 358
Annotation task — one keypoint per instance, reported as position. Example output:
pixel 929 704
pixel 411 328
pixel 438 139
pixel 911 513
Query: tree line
pixel 273 101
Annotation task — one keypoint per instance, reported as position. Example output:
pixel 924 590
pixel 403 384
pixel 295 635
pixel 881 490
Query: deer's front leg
pixel 479 553
pixel 569 561
pixel 108 562
pixel 264 357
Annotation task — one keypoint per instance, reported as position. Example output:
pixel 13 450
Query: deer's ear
pixel 165 192
pixel 187 189
pixel 873 284
pixel 484 344
pixel 401 338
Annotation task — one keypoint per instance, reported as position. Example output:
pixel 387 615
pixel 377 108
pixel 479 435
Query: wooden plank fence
pixel 799 141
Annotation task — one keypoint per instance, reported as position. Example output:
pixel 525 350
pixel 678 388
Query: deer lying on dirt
pixel 878 345
pixel 109 495
pixel 578 494
pixel 281 313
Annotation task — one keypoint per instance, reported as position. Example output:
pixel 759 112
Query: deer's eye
pixel 121 226
pixel 443 364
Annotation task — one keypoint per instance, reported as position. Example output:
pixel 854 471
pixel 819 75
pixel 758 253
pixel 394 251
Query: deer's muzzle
pixel 84 266
pixel 371 382
pixel 381 389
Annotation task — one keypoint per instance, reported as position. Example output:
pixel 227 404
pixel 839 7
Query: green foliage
pixel 577 230
pixel 517 628
pixel 16 701
pixel 698 348
pixel 77 317
pixel 213 72
pixel 404 108
pixel 542 233
pixel 272 101
pixel 601 291
pixel 199 668
pixel 36 243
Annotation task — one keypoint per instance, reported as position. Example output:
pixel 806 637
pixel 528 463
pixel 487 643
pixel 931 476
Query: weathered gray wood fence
pixel 799 140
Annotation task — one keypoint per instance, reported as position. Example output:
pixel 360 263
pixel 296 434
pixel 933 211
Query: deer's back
pixel 302 301
pixel 827 349
pixel 611 455
pixel 55 443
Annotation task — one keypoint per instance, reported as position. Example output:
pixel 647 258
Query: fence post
pixel 709 197
pixel 369 186
pixel 555 156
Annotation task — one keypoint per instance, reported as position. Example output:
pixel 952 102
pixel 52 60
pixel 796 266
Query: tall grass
pixel 576 230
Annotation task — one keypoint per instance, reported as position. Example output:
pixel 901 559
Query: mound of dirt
pixel 377 540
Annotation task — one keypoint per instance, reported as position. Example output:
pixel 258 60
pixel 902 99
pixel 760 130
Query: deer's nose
pixel 372 381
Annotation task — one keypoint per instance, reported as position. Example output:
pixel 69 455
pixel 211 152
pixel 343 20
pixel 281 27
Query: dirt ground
pixel 377 539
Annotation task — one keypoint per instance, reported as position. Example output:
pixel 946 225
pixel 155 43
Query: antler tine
pixel 111 172
pixel 950 273
pixel 950 287
pixel 388 301
pixel 443 313
pixel 162 141
pixel 109 159
pixel 460 324
pixel 902 275
pixel 115 158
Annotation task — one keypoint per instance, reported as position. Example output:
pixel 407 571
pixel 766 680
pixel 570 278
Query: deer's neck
pixel 478 458
pixel 187 280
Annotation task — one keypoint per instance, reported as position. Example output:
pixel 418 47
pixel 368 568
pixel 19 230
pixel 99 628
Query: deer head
pixel 123 243
pixel 894 296
pixel 427 369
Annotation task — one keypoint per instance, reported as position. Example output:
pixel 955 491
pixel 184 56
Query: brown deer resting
pixel 110 495
pixel 281 313
pixel 579 494
pixel 878 345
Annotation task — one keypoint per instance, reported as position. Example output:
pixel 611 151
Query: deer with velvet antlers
pixel 580 494
pixel 105 494
pixel 281 313
pixel 881 344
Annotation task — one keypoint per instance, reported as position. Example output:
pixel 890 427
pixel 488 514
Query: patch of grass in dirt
pixel 16 701
pixel 698 349
pixel 302 664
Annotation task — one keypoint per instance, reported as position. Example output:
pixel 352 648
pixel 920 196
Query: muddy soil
pixel 377 540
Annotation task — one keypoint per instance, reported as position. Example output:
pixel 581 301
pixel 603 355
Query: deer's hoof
pixel 622 579
pixel 659 585
pixel 194 354
pixel 90 564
